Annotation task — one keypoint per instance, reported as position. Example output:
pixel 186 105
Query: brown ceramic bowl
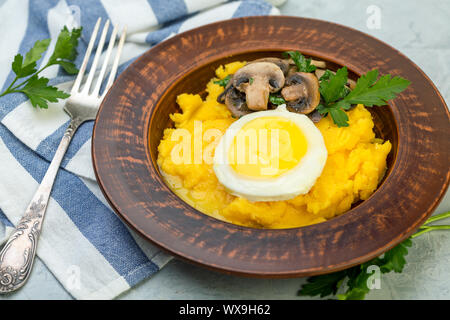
pixel 136 110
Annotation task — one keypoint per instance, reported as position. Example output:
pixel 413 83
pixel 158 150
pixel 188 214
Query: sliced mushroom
pixel 257 80
pixel 319 64
pixel 235 101
pixel 319 73
pixel 301 92
pixel 283 64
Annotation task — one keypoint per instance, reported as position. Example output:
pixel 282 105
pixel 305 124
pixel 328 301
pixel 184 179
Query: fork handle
pixel 17 256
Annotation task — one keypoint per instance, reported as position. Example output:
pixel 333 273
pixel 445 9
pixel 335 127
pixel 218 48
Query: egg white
pixel 296 181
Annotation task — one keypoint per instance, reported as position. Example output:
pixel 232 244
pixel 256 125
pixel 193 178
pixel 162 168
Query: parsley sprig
pixel 355 279
pixel 370 90
pixel 35 87
pixel 303 64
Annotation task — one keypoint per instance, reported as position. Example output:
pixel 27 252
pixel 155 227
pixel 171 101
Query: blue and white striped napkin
pixel 83 243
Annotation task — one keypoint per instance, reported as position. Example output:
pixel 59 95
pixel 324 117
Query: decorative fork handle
pixel 17 256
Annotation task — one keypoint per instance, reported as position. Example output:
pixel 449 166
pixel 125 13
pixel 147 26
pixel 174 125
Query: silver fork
pixel 17 256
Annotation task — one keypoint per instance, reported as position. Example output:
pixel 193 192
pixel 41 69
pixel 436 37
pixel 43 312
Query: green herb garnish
pixel 35 87
pixel 369 91
pixel 223 82
pixel 303 64
pixel 355 279
pixel 276 99
pixel 326 75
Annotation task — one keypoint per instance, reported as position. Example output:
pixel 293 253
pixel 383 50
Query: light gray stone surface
pixel 421 31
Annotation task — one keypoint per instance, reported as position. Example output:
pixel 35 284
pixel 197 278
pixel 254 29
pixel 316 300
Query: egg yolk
pixel 267 147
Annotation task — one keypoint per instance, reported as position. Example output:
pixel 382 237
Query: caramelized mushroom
pixel 301 92
pixel 257 80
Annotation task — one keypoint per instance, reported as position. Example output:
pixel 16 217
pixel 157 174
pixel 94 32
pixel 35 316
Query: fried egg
pixel 270 155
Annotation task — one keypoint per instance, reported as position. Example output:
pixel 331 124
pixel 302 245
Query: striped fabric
pixel 83 243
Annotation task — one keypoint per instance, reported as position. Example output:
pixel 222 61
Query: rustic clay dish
pixel 136 110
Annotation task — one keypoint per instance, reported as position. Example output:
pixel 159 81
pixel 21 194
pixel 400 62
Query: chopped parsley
pixel 276 99
pixel 223 82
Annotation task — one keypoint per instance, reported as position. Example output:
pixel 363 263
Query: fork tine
pixel 112 75
pixel 101 42
pixel 76 84
pixel 99 81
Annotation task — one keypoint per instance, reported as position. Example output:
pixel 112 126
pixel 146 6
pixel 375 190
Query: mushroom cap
pixel 301 92
pixel 257 80
pixel 283 64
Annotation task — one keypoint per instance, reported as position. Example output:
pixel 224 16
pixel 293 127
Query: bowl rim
pixel 347 216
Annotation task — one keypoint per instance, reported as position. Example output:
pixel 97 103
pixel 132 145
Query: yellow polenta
pixel 356 163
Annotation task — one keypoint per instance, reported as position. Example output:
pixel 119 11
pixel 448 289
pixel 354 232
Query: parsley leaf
pixel 339 117
pixel 324 285
pixel 35 87
pixel 394 259
pixel 39 92
pixel 66 50
pixel 369 91
pixel 303 64
pixel 25 67
pixel 333 88
pixel 223 82
pixel 36 52
pixel 20 69
pixel 68 66
pixel 326 75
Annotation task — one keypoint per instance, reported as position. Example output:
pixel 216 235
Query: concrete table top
pixel 420 30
